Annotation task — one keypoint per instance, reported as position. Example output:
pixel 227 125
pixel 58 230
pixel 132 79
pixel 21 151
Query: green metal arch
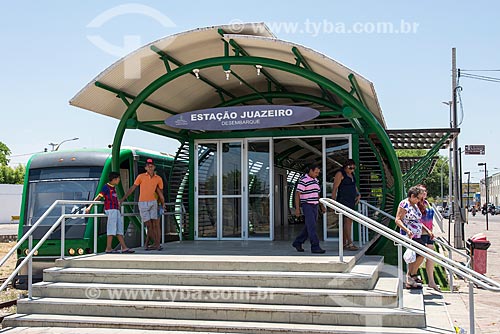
pixel 277 95
pixel 271 63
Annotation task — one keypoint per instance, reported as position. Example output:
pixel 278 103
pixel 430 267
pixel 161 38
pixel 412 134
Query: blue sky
pixel 46 58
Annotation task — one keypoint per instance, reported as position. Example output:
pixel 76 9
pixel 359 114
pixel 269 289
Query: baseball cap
pixel 149 162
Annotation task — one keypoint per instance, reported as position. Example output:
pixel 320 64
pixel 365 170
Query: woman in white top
pixel 408 218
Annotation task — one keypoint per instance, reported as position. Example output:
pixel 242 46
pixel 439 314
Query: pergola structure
pixel 225 66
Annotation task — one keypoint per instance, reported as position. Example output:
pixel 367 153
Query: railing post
pixel 63 237
pixel 400 276
pixel 341 237
pixel 30 268
pixel 472 325
pixel 181 223
pixel 360 235
pixel 450 273
pixel 142 232
pixel 63 212
pixel 95 229
pixel 163 228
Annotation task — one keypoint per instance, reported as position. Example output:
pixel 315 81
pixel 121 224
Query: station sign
pixel 242 117
pixel 475 149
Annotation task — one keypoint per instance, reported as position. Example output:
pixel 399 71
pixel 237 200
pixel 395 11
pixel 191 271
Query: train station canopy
pixel 128 77
pixel 247 64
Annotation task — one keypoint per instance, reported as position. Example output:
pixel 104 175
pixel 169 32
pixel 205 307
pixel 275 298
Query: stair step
pixel 192 326
pixel 320 315
pixel 210 262
pixel 384 293
pixel 90 330
pixel 362 276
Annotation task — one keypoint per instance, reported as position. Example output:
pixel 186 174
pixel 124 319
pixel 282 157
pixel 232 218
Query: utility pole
pixel 456 179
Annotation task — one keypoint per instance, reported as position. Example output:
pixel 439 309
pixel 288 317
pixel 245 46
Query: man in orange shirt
pixel 149 183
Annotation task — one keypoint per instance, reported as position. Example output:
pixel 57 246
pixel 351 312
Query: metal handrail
pixel 181 213
pixel 37 223
pixel 428 253
pixel 439 216
pixel 438 240
pixel 61 221
pixel 29 236
pixel 389 233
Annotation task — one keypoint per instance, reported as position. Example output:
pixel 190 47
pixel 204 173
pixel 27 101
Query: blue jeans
pixel 309 230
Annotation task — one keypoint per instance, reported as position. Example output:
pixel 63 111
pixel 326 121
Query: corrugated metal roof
pixel 421 138
pixel 137 70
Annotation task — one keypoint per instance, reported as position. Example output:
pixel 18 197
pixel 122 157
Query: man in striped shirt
pixel 307 197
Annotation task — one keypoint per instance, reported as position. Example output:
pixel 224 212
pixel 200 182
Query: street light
pixel 486 189
pixel 468 187
pixel 59 145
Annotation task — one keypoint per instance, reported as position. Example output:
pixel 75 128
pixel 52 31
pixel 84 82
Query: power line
pixel 480 70
pixel 488 79
pixel 480 76
pixel 22 155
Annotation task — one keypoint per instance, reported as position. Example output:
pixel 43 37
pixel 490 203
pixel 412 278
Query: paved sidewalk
pixel 486 303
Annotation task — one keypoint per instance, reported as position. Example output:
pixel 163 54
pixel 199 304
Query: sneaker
pixel 318 251
pixel 298 247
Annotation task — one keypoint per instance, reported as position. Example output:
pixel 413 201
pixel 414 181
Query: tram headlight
pixel 71 251
pixel 26 251
pixel 35 253
pixel 80 251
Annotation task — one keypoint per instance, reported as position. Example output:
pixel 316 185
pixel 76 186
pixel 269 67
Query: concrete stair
pixel 220 294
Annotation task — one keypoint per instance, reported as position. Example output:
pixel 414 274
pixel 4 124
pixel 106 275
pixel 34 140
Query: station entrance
pixel 232 182
pixel 244 188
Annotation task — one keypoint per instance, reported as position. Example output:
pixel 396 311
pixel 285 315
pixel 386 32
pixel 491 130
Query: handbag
pixel 410 256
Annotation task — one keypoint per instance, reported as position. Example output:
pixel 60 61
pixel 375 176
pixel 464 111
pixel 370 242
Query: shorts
pixel 427 239
pixel 419 240
pixel 115 222
pixel 148 210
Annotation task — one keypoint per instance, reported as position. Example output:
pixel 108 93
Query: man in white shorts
pixel 149 183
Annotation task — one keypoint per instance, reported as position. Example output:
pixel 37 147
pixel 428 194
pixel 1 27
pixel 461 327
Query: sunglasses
pixel 351 167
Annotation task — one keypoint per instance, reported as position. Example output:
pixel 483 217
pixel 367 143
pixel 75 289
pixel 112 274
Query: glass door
pixel 259 201
pixel 231 189
pixel 206 190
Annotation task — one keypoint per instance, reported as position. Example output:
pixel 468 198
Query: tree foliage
pixel 4 153
pixel 410 153
pixel 433 180
pixel 9 175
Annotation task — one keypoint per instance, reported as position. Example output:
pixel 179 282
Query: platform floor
pixel 248 248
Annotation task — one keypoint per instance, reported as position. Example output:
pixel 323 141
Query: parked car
pixel 497 210
pixel 446 213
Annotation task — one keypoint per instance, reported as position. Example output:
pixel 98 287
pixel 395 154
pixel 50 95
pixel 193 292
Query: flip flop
pixel 417 278
pixel 159 248
pixel 128 251
pixel 414 286
pixel 111 252
pixel 435 287
pixel 351 247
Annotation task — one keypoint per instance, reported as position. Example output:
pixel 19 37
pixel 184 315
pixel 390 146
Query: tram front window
pixel 43 191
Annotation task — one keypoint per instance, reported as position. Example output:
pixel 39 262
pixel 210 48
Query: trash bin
pixel 477 248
